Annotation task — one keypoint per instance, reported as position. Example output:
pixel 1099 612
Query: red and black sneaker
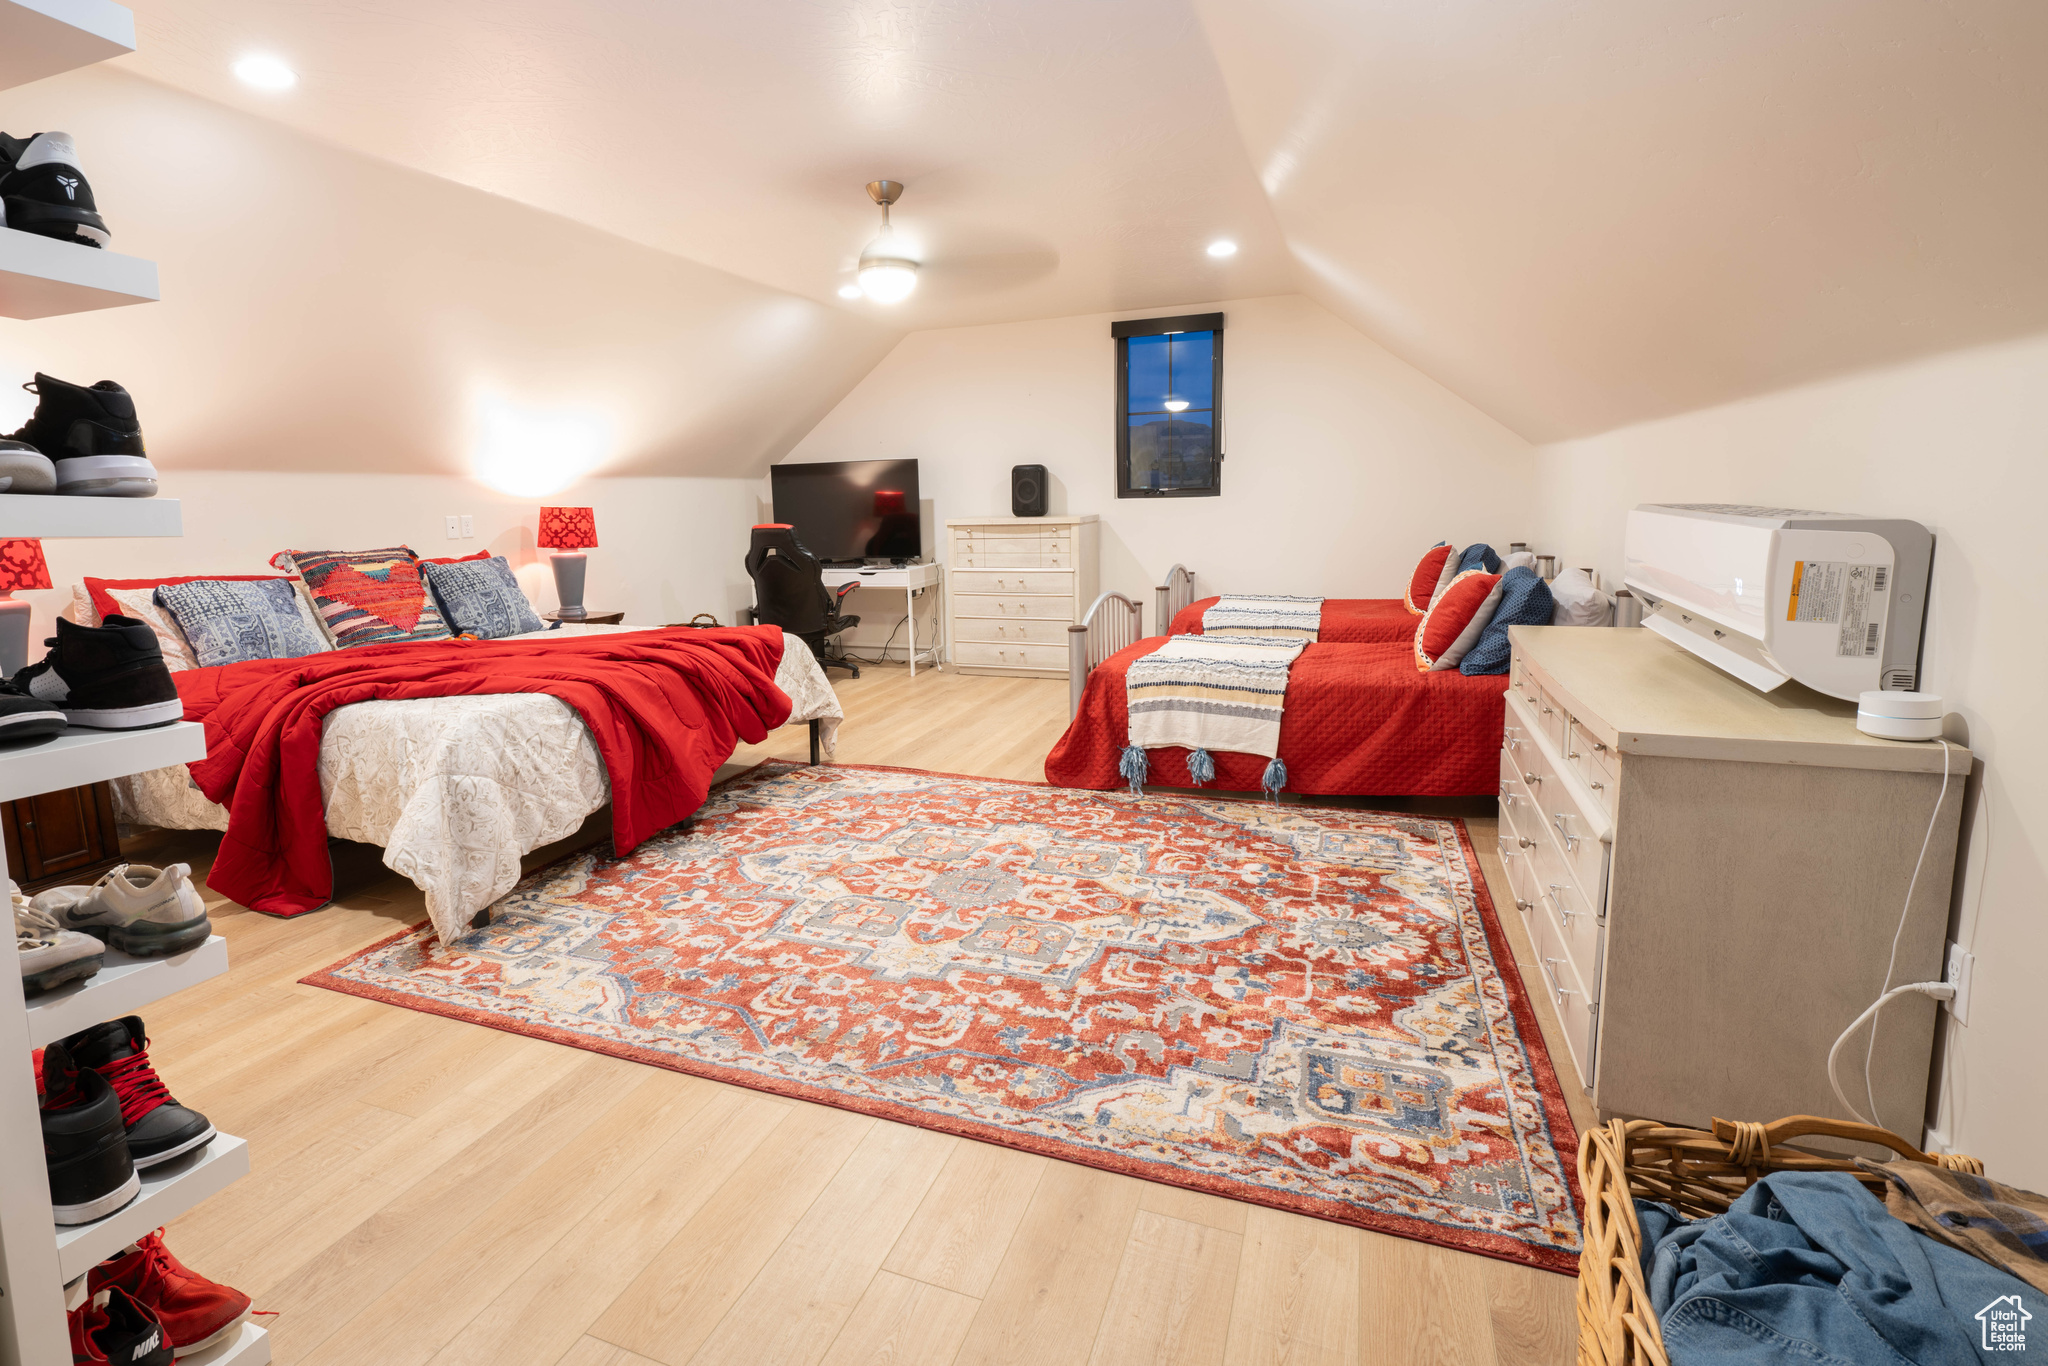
pixel 117 1329
pixel 195 1312
pixel 159 1128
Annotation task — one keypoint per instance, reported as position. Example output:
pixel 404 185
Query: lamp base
pixel 13 636
pixel 569 566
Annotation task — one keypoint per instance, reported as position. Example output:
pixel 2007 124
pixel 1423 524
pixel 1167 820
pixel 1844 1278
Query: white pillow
pixel 1578 601
pixel 1520 559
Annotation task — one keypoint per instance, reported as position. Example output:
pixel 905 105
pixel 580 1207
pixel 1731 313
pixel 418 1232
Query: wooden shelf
pixel 78 757
pixel 250 1346
pixel 54 517
pixel 40 38
pixel 167 1192
pixel 123 986
pixel 41 277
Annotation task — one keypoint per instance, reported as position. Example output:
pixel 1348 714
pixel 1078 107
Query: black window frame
pixel 1122 332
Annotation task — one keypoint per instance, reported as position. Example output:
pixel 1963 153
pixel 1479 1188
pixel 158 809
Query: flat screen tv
pixel 850 511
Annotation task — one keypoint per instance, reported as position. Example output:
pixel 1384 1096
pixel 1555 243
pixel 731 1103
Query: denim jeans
pixel 1808 1267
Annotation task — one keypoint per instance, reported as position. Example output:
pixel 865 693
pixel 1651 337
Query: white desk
pixel 909 578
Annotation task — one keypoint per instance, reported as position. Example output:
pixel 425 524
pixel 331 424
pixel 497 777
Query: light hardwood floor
pixel 429 1191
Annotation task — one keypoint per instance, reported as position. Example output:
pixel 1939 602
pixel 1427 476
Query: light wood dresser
pixel 1711 878
pixel 1014 586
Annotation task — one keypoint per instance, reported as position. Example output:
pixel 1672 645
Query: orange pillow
pixel 1429 570
pixel 1455 620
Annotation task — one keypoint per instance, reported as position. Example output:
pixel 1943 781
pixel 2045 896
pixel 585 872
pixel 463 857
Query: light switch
pixel 468 526
pixel 454 526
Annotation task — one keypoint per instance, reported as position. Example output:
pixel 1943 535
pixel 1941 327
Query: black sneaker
pixel 26 720
pixel 107 677
pixel 85 1144
pixel 43 191
pixel 92 436
pixel 119 1330
pixel 159 1128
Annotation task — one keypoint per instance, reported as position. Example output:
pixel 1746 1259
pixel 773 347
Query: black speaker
pixel 1027 490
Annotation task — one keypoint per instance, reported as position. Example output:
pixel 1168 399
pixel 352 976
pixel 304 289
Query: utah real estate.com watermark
pixel 2005 1324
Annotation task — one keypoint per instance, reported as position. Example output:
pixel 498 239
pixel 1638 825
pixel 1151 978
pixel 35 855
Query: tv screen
pixel 847 511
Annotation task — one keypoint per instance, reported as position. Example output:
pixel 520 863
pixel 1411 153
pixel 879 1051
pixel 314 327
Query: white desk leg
pixel 910 606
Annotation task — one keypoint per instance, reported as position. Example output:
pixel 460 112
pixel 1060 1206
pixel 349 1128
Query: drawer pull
pixel 1599 747
pixel 1550 980
pixel 1532 778
pixel 1526 844
pixel 1523 906
pixel 1550 711
pixel 1559 902
pixel 1507 798
pixel 1598 787
pixel 1571 841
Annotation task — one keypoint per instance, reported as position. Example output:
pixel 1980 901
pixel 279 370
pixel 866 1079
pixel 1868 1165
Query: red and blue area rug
pixel 1297 1006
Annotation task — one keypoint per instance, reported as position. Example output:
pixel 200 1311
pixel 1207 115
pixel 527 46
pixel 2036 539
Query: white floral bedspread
pixel 455 789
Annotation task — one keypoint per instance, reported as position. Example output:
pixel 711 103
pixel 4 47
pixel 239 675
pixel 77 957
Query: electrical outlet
pixel 468 526
pixel 1962 966
pixel 454 526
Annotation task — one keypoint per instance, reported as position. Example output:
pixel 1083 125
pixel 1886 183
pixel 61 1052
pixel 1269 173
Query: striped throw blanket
pixel 1274 618
pixel 1206 693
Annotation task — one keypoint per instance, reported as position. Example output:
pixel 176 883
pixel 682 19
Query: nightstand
pixel 592 619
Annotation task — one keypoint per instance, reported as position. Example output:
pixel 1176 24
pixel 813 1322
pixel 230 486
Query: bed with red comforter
pixel 1361 720
pixel 1346 621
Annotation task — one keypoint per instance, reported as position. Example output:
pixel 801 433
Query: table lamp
pixel 21 567
pixel 568 532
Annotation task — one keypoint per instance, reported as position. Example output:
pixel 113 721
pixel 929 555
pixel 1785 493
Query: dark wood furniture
pixel 61 838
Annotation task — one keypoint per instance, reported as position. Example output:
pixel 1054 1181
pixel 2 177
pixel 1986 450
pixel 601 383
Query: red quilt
pixel 1361 720
pixel 1346 621
pixel 665 707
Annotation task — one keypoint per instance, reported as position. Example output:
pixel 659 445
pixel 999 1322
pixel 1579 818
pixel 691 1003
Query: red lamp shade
pixel 22 566
pixel 567 529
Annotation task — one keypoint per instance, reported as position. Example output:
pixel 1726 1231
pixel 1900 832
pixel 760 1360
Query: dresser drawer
pixel 1001 582
pixel 997 540
pixel 1011 656
pixel 1559 981
pixel 1048 556
pixel 1594 760
pixel 1060 609
pixel 1521 878
pixel 1574 924
pixel 1016 630
pixel 1573 828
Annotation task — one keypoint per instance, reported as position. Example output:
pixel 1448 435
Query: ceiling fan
pixel 887 270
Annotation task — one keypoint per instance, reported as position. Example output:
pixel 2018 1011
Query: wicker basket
pixel 1699 1174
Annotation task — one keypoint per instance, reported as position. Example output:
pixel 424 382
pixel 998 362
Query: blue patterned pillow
pixel 481 598
pixel 229 621
pixel 1524 601
pixel 1479 556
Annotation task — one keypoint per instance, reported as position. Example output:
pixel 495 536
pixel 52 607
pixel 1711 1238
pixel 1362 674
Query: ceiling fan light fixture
pixel 1222 247
pixel 851 292
pixel 887 273
pixel 1175 405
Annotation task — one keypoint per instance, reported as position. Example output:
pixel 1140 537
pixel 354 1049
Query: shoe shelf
pixel 54 517
pixel 122 986
pixel 41 277
pixel 41 38
pixel 249 1346
pixel 168 1190
pixel 78 757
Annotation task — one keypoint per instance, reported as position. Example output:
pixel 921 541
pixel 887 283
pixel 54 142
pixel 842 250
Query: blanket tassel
pixel 1201 767
pixel 1134 766
pixel 1275 779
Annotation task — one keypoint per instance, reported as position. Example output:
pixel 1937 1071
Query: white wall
pixel 1343 464
pixel 1960 443
pixel 668 548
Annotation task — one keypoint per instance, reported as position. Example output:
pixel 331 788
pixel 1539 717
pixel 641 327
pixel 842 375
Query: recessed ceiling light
pixel 1223 248
pixel 850 292
pixel 266 73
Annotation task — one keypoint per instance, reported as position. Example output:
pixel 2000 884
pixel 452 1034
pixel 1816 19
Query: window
pixel 1169 380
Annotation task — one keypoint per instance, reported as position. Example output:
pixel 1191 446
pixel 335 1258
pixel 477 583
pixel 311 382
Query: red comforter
pixel 1360 720
pixel 1346 621
pixel 665 708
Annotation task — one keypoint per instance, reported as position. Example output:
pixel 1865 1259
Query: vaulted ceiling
pixel 1575 213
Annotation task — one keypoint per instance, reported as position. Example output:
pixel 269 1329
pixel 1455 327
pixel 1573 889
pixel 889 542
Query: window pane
pixel 1172 452
pixel 1194 372
pixel 1148 380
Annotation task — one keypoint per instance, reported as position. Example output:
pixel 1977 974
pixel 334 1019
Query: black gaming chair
pixel 790 592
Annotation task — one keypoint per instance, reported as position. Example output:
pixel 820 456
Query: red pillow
pixel 1422 583
pixel 1455 620
pixel 96 589
pixel 459 559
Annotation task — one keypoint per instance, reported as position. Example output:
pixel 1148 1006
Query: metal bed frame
pixel 1115 622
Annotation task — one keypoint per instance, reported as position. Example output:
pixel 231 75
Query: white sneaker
pixel 138 909
pixel 50 956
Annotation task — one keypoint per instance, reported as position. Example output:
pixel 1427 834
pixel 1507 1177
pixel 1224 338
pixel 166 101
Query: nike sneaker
pixel 118 1329
pixel 140 910
pixel 24 469
pixel 85 1144
pixel 196 1313
pixel 26 720
pixel 159 1128
pixel 50 956
pixel 92 437
pixel 44 192
pixel 107 677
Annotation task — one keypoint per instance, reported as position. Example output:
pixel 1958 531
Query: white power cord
pixel 1941 991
